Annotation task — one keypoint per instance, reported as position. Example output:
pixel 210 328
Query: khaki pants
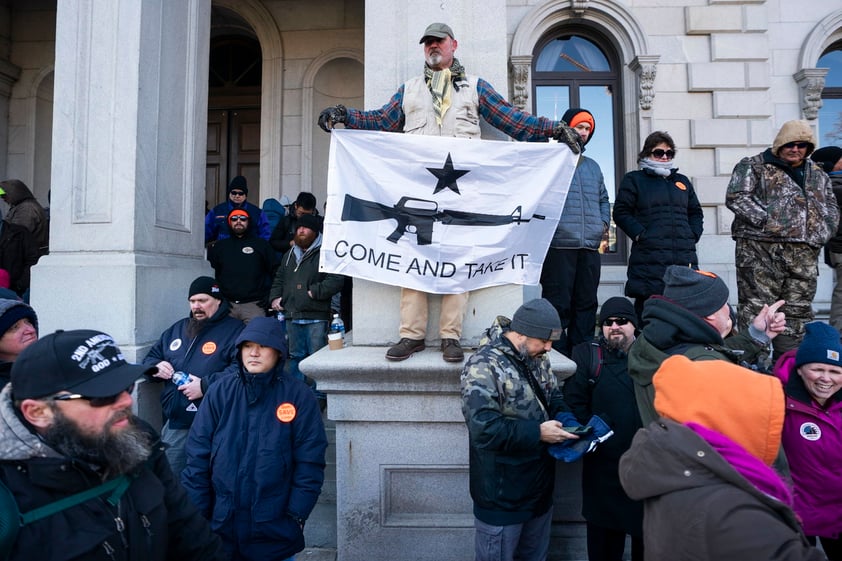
pixel 414 314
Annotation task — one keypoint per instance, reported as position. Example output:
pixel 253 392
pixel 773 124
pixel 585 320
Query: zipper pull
pixel 108 549
pixel 121 527
pixel 146 525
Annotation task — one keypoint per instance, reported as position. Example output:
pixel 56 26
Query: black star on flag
pixel 447 176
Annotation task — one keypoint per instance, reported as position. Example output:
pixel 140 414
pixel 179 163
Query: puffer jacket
pixel 511 472
pixel 812 440
pixel 698 507
pixel 586 209
pixel 255 462
pixel 159 521
pixel 209 355
pixel 672 329
pixel 295 278
pixel 771 204
pixel 663 217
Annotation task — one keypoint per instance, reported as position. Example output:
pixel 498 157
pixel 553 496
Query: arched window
pixel 830 115
pixel 580 68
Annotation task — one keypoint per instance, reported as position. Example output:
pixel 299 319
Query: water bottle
pixel 336 333
pixel 180 378
pixel 337 325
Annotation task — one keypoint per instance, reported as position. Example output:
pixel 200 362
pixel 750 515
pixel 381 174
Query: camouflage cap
pixel 437 30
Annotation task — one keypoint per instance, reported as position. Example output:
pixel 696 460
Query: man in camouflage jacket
pixel 510 398
pixel 784 211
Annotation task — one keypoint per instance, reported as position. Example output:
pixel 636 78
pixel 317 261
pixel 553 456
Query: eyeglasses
pixel 238 193
pixel 239 219
pixel 658 153
pixel 799 145
pixel 610 321
pixel 95 401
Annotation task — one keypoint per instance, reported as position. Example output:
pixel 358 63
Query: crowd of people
pixel 704 431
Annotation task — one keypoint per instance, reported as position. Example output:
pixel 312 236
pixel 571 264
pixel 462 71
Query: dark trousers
pixel 606 544
pixel 569 280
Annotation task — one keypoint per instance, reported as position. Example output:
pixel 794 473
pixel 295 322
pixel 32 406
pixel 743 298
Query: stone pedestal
pixel 402 455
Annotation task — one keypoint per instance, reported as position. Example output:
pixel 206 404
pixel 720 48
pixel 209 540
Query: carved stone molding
pixel 646 68
pixel 9 74
pixel 521 84
pixel 811 83
pixel 579 6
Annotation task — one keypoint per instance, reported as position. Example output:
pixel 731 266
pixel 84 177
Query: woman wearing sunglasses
pixel 658 210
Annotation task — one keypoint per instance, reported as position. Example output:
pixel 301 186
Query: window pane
pixel 571 54
pixel 830 122
pixel 552 101
pixel 598 100
pixel 832 60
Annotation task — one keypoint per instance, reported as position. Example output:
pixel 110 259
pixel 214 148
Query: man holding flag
pixel 444 101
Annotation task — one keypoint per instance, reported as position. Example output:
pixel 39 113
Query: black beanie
pixel 17 312
pixel 238 182
pixel 618 307
pixel 827 157
pixel 309 221
pixel 537 318
pixel 820 344
pixel 701 292
pixel 205 285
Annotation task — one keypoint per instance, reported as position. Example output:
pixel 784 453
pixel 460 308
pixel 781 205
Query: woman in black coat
pixel 658 210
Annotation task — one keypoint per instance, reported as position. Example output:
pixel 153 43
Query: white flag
pixel 440 214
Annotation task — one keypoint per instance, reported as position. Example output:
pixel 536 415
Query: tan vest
pixel 461 120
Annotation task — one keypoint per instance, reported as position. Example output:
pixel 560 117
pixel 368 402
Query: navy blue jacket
pixel 586 209
pixel 209 355
pixel 216 221
pixel 663 217
pixel 255 462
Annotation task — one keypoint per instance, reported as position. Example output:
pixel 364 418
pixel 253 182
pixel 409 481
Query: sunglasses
pixel 658 153
pixel 610 321
pixel 239 219
pixel 799 145
pixel 238 193
pixel 95 401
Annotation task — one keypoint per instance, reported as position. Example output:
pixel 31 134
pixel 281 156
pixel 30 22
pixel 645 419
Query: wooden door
pixel 233 149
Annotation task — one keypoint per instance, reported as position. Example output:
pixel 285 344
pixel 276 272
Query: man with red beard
pixel 67 434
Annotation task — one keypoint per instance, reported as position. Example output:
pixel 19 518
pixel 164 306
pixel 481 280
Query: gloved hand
pixel 568 136
pixel 331 116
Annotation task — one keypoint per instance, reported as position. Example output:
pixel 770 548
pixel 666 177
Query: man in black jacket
pixel 283 236
pixel 67 428
pixel 304 293
pixel 244 265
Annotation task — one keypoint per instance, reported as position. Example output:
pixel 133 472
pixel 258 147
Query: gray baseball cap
pixel 437 30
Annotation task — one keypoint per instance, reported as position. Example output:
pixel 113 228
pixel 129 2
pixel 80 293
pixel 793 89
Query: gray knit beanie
pixel 537 318
pixel 701 292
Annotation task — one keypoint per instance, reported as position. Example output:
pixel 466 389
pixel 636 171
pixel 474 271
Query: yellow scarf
pixel 440 88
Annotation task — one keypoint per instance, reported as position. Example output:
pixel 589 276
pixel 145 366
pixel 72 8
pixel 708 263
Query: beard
pixel 195 326
pixel 115 452
pixel 617 341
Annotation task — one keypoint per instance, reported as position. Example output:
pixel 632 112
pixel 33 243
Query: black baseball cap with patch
pixel 437 30
pixel 81 361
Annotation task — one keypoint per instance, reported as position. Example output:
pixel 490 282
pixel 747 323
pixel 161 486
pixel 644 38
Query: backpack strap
pixel 117 486
pixel 596 364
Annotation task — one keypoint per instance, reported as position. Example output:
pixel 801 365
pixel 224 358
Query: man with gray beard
pixel 89 478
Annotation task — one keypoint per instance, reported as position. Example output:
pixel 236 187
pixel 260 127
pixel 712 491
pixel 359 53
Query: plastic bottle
pixel 180 378
pixel 281 317
pixel 337 325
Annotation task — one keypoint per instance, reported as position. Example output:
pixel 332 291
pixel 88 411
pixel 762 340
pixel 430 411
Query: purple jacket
pixel 812 440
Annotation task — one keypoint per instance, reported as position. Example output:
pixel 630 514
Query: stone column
pixel 129 136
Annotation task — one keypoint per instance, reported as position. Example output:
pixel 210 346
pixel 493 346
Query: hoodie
pixel 26 211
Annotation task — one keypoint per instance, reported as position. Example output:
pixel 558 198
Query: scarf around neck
pixel 439 83
pixel 664 169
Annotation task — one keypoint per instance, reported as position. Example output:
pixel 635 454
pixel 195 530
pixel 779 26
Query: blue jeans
pixel 304 340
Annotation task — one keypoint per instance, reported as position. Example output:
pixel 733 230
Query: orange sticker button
pixel 681 185
pixel 209 348
pixel 285 412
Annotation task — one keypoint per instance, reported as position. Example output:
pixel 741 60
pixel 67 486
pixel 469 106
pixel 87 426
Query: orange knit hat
pixel 738 403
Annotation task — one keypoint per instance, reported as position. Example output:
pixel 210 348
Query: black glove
pixel 331 116
pixel 568 136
